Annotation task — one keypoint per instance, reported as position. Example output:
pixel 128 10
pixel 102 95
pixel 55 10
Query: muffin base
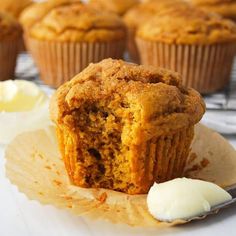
pixel 206 68
pixel 8 55
pixel 157 160
pixel 59 62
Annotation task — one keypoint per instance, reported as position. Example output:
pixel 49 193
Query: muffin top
pixel 78 22
pixel 154 96
pixel 190 27
pixel 14 7
pixel 116 6
pixel 139 14
pixel 226 8
pixel 9 27
pixel 36 11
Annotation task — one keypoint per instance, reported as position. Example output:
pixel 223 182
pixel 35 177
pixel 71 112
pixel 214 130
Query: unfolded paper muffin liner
pixel 8 55
pixel 59 62
pixel 34 165
pixel 206 68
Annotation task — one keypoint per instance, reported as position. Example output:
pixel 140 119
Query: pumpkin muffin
pixel 122 126
pixel 141 13
pixel 10 37
pixel 13 7
pixel 70 36
pixel 116 6
pixel 226 8
pixel 198 45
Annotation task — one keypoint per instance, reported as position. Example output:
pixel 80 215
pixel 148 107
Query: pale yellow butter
pixel 184 198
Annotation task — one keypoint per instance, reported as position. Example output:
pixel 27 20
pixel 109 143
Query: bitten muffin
pixel 122 126
pixel 10 37
pixel 141 13
pixel 69 37
pixel 13 7
pixel 116 6
pixel 199 45
pixel 226 8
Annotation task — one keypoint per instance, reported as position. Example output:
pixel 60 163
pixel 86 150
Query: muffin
pixel 198 45
pixel 226 8
pixel 122 126
pixel 69 37
pixel 116 6
pixel 141 13
pixel 10 37
pixel 13 7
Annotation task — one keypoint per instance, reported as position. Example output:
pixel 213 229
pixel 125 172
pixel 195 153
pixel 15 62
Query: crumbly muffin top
pixel 9 27
pixel 226 8
pixel 78 23
pixel 36 11
pixel 116 6
pixel 155 96
pixel 191 27
pixel 139 14
pixel 14 7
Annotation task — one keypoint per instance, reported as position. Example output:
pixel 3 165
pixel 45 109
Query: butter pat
pixel 20 95
pixel 184 198
pixel 23 107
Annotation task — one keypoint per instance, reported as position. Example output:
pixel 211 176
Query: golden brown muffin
pixel 141 13
pixel 199 45
pixel 79 23
pixel 226 8
pixel 10 35
pixel 14 7
pixel 116 6
pixel 122 126
pixel 66 38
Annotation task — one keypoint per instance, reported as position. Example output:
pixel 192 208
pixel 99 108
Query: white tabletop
pixel 22 217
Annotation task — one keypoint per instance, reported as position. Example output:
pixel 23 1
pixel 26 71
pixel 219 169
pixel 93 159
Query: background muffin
pixel 10 36
pixel 14 7
pixel 116 6
pixel 198 45
pixel 226 8
pixel 122 126
pixel 141 13
pixel 69 37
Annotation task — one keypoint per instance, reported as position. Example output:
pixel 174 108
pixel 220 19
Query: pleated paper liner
pixel 34 165
pixel 8 55
pixel 132 46
pixel 206 68
pixel 59 62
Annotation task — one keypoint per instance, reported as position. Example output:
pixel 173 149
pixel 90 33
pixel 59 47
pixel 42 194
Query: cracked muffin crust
pixel 122 126
pixel 78 22
pixel 226 8
pixel 199 28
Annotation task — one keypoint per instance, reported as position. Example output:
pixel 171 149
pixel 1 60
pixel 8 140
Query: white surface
pixel 184 198
pixel 21 217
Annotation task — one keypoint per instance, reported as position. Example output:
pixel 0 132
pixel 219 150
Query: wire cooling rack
pixel 222 100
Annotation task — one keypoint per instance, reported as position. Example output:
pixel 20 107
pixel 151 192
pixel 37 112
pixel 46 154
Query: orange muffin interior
pixel 120 126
